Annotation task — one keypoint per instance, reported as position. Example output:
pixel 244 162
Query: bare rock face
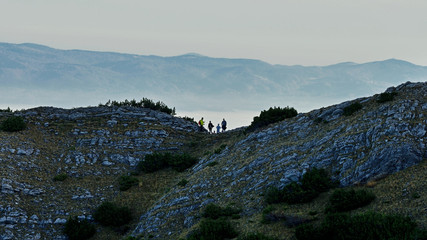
pixel 376 141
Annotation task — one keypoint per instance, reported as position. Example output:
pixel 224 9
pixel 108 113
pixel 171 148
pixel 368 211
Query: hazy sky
pixel 306 32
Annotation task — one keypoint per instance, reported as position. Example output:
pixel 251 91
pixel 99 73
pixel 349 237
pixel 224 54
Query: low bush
pixel 154 162
pixel 214 229
pixel 214 211
pixel 126 182
pixel 255 236
pixel 109 214
pixel 313 182
pixel 60 177
pixel 318 180
pixel 158 161
pixel 183 182
pixel 78 230
pixel 270 116
pixel 181 162
pixel 386 97
pixel 219 150
pixel 212 164
pixel 6 110
pixel 369 225
pixel 295 193
pixel 352 108
pixel 345 200
pixel 13 124
pixel 144 103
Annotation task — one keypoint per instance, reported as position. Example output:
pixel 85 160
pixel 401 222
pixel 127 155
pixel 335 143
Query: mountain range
pixel 34 75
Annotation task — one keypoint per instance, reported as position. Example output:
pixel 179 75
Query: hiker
pixel 218 128
pixel 201 123
pixel 224 125
pixel 210 126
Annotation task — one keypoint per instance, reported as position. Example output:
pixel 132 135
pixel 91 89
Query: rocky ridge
pixel 377 141
pixel 92 146
pixel 95 145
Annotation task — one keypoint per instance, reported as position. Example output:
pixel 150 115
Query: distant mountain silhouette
pixel 34 75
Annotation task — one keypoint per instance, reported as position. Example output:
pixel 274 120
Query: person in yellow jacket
pixel 201 123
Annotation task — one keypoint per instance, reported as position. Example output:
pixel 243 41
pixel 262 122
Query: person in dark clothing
pixel 224 125
pixel 210 126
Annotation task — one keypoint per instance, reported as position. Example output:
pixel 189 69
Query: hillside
pixel 383 144
pixel 376 141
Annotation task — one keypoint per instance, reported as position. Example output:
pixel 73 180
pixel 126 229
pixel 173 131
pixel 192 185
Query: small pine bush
pixel 212 164
pixel 109 214
pixel 60 177
pixel 369 225
pixel 79 230
pixel 295 193
pixel 126 182
pixel 13 124
pixel 144 103
pixel 317 179
pixel 158 161
pixel 154 162
pixel 270 116
pixel 273 195
pixel 345 200
pixel 214 229
pixel 386 97
pixel 219 150
pixel 255 236
pixel 181 162
pixel 183 182
pixel 313 182
pixel 6 110
pixel 352 108
pixel 214 211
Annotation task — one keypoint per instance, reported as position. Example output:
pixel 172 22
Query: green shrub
pixel 109 214
pixel 154 162
pixel 213 163
pixel 158 161
pixel 255 236
pixel 386 97
pixel 126 182
pixel 79 230
pixel 144 103
pixel 320 120
pixel 270 116
pixel 214 211
pixel 6 110
pixel 317 179
pixel 295 193
pixel 352 108
pixel 214 229
pixel 345 200
pixel 369 225
pixel 13 124
pixel 60 177
pixel 313 182
pixel 183 182
pixel 219 150
pixel 182 161
pixel 273 195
